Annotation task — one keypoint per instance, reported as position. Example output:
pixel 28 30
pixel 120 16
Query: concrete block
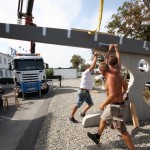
pixel 91 120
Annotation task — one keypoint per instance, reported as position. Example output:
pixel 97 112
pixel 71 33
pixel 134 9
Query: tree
pixel 49 72
pixel 76 60
pixel 84 66
pixel 132 20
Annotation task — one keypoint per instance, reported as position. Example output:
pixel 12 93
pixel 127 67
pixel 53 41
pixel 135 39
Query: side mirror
pixel 46 66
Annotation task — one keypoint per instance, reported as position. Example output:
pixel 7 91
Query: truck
pixel 29 74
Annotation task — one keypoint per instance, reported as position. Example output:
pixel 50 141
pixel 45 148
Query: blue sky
pixel 66 14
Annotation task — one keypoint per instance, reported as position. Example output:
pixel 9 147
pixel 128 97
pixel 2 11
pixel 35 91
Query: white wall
pixel 4 60
pixel 66 73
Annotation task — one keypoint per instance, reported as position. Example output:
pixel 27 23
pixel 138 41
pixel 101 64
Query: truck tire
pixel 1 102
pixel 2 91
pixel 19 94
pixel 45 91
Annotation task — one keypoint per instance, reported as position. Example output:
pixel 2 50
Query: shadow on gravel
pixel 42 143
pixel 141 136
pixel 33 96
pixel 95 88
pixel 109 145
pixel 71 87
pixel 61 90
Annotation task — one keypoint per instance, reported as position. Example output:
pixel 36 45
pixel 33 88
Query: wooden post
pixel 60 77
pixel 17 102
pixel 134 115
pixel 6 101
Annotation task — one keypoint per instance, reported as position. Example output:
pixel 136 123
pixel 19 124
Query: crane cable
pixel 100 18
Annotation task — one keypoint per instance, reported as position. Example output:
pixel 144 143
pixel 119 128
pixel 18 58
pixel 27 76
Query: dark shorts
pixel 114 115
pixel 84 96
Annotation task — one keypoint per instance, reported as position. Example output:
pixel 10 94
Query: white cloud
pixel 56 14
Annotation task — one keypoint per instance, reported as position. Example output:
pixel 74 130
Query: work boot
pixel 82 114
pixel 72 119
pixel 93 137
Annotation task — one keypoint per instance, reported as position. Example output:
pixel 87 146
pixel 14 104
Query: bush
pixel 49 72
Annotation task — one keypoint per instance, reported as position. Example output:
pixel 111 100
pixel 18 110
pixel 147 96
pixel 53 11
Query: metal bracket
pixel 144 46
pixel 69 34
pixel 7 28
pixel 44 31
pixel 121 40
pixel 103 44
pixel 96 36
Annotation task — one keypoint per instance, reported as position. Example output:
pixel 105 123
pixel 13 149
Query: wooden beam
pixel 134 115
pixel 73 37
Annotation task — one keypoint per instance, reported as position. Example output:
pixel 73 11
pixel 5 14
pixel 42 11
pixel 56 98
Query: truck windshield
pixel 28 64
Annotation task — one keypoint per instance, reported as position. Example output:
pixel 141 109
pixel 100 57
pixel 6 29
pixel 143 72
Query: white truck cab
pixel 29 74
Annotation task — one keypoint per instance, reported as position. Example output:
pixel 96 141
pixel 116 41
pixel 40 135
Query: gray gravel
pixel 58 133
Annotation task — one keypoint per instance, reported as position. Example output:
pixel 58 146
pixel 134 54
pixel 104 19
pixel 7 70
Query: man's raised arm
pixel 94 61
pixel 108 53
pixel 117 54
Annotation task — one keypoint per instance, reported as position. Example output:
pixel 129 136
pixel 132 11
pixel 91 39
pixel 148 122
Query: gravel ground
pixel 58 133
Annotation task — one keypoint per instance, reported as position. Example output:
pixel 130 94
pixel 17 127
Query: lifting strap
pixel 99 19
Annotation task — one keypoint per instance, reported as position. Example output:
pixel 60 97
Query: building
pixel 6 75
pixel 66 73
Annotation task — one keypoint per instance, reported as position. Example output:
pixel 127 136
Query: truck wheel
pixel 2 91
pixel 19 94
pixel 44 91
pixel 47 89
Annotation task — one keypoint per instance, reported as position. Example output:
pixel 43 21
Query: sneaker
pixel 73 120
pixel 82 114
pixel 93 137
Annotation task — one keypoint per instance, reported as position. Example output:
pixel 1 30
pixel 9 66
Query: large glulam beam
pixel 73 37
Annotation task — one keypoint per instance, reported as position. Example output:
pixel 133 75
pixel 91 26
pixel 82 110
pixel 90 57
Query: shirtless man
pixel 114 62
pixel 113 107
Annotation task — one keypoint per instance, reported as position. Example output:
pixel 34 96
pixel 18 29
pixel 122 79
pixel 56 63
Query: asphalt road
pixel 20 128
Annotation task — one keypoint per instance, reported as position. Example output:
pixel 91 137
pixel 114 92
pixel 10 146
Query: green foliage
pixel 98 83
pixel 49 72
pixel 84 67
pixel 76 60
pixel 132 20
